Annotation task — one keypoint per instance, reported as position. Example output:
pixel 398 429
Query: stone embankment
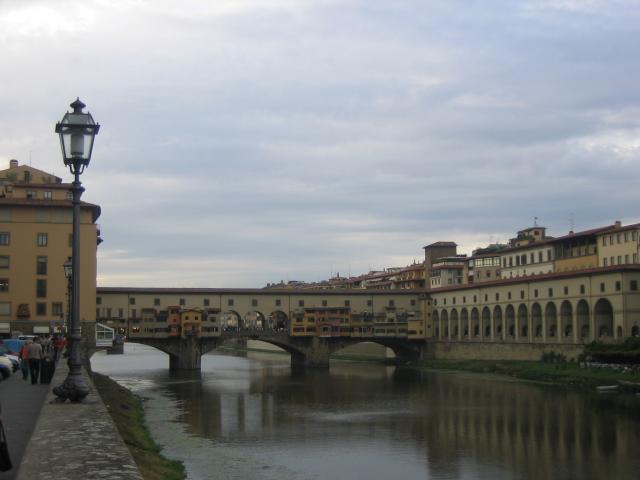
pixel 76 441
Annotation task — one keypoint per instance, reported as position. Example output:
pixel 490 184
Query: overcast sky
pixel 253 141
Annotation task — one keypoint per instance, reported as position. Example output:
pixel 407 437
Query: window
pixel 535 293
pixel 582 289
pixel 98 300
pixel 4 261
pixel 413 302
pixel 626 237
pixel 548 255
pixel 41 308
pixel 605 262
pixel 475 298
pixel 301 303
pixel 509 295
pixel 551 292
pixel 47 195
pixel 5 238
pixel 42 239
pixel 497 297
pixel 618 286
pixel 633 285
pixel 41 265
pixel 618 238
pixel 635 258
pixel 612 260
pixel 619 259
pixel 132 300
pixel 347 303
pixel 56 309
pixel 32 194
pixel 540 256
pixel 133 313
pixel 4 284
pixel 369 303
pixel 206 302
pixel 532 258
pixel 108 313
pixel 5 308
pixel 156 301
pixel 486 297
pixel 604 241
pixel 182 302
pixel 602 287
pixel 464 300
pixel 278 302
pixel 230 302
pixel 41 288
pixel 120 313
pixel 566 290
pixel 634 236
pixel 392 303
pixel 521 293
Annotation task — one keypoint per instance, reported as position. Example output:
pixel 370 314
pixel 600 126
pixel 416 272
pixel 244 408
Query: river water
pixel 253 418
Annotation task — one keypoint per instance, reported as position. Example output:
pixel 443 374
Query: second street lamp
pixel 77 131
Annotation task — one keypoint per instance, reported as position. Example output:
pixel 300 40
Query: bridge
pixel 185 352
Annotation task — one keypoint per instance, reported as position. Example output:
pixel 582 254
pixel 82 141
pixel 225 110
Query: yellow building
pixel 35 241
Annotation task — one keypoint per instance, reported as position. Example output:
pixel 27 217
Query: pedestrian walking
pixel 24 359
pixel 35 357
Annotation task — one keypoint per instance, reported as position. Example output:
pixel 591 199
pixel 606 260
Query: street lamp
pixel 68 273
pixel 77 130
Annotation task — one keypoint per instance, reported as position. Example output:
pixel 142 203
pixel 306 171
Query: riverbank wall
pixel 499 351
pixel 76 441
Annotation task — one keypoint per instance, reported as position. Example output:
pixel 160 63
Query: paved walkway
pixel 21 404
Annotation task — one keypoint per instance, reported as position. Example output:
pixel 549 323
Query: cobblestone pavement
pixel 21 404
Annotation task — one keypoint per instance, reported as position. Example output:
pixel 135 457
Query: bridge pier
pixel 185 355
pixel 315 355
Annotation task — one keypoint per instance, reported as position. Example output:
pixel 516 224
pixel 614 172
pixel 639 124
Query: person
pixel 24 359
pixel 35 356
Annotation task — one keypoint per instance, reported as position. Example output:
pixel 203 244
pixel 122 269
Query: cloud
pixel 244 142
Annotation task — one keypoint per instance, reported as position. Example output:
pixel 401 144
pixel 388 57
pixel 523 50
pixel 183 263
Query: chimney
pixel 618 224
pixel 13 163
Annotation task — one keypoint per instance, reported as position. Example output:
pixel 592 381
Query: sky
pixel 252 141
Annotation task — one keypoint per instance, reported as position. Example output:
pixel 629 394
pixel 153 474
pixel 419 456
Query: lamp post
pixel 68 274
pixel 77 131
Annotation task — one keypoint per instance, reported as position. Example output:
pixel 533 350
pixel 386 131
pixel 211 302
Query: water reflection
pixel 376 421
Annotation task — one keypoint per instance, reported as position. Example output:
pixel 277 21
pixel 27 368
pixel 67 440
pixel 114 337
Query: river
pixel 253 418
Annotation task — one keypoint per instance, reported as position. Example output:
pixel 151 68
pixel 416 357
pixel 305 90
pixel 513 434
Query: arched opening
pixel 635 331
pixel 510 320
pixel 486 323
pixel 619 332
pixel 566 321
pixel 603 312
pixel 444 324
pixel 497 322
pixel 255 320
pixel 551 319
pixel 278 321
pixel 464 321
pixel 231 321
pixel 436 322
pixel 582 312
pixel 523 323
pixel 455 327
pixel 475 322
pixel 536 320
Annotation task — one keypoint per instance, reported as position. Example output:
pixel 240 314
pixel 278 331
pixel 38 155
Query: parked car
pixel 15 361
pixel 6 367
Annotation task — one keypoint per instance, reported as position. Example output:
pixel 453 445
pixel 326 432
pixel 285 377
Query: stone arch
pixel 444 324
pixel 603 313
pixel 435 319
pixel 278 321
pixel 497 323
pixel 566 321
pixel 551 320
pixel 255 320
pixel 523 323
pixel 510 322
pixel 486 323
pixel 536 320
pixel 582 313
pixel 455 326
pixel 231 321
pixel 475 322
pixel 464 323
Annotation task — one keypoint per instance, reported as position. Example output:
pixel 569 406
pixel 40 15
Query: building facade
pixel 35 241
